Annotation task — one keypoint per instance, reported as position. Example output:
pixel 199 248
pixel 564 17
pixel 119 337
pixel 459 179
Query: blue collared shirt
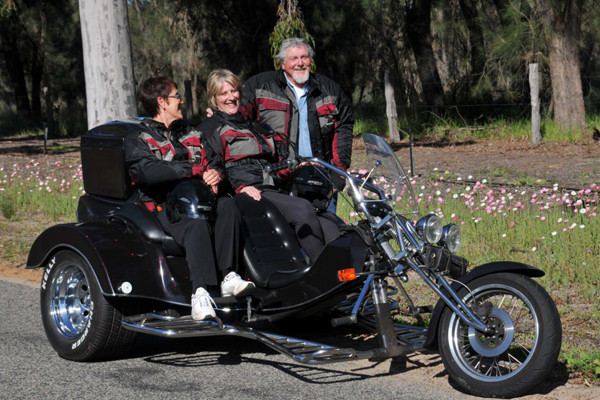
pixel 304 148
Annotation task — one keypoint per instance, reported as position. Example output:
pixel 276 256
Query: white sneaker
pixel 202 305
pixel 233 285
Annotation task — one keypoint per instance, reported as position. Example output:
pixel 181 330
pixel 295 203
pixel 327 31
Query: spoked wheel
pixel 522 344
pixel 79 322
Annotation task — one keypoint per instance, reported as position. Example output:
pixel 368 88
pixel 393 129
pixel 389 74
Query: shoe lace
pixel 205 300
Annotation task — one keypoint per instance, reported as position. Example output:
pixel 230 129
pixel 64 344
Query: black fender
pixel 484 269
pixel 124 263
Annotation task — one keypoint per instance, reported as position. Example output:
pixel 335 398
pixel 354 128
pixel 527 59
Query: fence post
pixel 47 124
pixel 534 85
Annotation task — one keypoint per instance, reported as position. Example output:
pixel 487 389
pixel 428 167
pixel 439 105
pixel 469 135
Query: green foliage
pixel 585 361
pixel 43 40
pixel 376 125
pixel 9 7
pixel 290 24
pixel 8 208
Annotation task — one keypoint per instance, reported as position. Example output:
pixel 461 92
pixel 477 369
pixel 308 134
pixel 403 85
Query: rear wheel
pixel 79 322
pixel 519 350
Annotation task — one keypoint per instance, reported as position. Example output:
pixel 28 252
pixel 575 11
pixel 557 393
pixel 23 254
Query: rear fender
pixel 484 269
pixel 124 264
pixel 68 237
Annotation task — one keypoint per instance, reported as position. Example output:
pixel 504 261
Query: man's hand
pixel 209 112
pixel 252 192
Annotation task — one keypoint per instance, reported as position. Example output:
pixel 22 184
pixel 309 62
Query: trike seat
pixel 272 254
pixel 93 208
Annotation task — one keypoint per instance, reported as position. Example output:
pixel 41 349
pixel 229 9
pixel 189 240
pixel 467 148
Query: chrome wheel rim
pixel 508 348
pixel 70 301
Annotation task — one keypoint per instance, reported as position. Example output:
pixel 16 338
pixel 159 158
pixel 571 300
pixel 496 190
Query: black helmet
pixel 191 198
pixel 312 183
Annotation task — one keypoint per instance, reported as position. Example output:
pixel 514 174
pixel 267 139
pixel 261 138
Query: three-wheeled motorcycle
pixel 115 273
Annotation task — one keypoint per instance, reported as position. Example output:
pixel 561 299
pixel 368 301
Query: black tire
pixel 80 323
pixel 523 351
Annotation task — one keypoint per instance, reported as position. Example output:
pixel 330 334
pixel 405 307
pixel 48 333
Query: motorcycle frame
pixel 403 230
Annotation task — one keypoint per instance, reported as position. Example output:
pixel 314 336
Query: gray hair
pixel 293 42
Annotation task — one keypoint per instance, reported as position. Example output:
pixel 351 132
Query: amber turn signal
pixel 348 274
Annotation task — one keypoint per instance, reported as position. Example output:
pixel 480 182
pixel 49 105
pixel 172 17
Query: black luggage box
pixel 103 160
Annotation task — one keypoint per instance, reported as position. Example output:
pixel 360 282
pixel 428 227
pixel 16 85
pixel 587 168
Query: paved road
pixel 208 368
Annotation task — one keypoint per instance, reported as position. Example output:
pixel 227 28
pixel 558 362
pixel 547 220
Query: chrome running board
pixel 302 351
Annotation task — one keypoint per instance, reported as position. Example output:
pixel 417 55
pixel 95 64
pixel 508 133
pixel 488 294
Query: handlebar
pixel 292 164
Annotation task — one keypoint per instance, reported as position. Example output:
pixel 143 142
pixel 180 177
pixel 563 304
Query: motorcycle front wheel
pixel 523 343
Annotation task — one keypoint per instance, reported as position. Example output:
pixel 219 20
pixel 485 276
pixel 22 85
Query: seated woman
pixel 170 151
pixel 245 149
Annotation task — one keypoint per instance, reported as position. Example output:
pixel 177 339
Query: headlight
pixel 452 237
pixel 430 228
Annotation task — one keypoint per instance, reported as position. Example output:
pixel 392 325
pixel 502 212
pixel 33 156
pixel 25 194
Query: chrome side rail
pixel 302 351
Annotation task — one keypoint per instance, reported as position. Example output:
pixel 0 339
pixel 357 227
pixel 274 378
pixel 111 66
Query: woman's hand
pixel 252 192
pixel 212 179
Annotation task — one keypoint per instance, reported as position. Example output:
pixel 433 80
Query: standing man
pixel 309 113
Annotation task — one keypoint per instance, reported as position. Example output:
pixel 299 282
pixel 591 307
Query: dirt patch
pixel 571 165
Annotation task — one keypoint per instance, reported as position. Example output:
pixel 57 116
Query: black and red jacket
pixel 159 156
pixel 268 99
pixel 243 146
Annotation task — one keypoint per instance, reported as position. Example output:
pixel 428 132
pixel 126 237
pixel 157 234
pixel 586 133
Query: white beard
pixel 301 77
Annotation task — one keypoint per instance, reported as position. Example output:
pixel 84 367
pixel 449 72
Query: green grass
pixel 29 188
pixel 584 361
pixel 439 127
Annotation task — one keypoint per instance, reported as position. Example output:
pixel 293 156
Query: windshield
pixel 389 176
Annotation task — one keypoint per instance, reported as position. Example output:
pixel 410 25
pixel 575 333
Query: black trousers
pixel 208 260
pixel 312 232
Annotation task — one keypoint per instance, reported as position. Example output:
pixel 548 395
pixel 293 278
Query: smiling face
pixel 296 65
pixel 228 99
pixel 170 107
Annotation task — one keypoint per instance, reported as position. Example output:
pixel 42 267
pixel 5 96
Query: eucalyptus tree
pixel 165 43
pixel 108 65
pixel 418 34
pixel 40 44
pixel 11 47
pixel 561 22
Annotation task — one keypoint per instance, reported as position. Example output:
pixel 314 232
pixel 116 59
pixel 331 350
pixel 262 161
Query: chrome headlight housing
pixel 452 237
pixel 430 228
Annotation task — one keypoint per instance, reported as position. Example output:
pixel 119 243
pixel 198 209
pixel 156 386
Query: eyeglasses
pixel 294 60
pixel 175 96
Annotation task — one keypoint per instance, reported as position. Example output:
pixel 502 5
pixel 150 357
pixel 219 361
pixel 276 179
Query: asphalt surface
pixel 206 368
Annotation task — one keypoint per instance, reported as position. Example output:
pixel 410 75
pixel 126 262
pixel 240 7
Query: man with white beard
pixel 308 113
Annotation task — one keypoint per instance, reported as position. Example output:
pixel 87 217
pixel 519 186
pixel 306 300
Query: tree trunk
pixel 418 31
pixel 562 28
pixel 390 109
pixel 37 68
pixel 108 65
pixel 477 46
pixel 15 68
